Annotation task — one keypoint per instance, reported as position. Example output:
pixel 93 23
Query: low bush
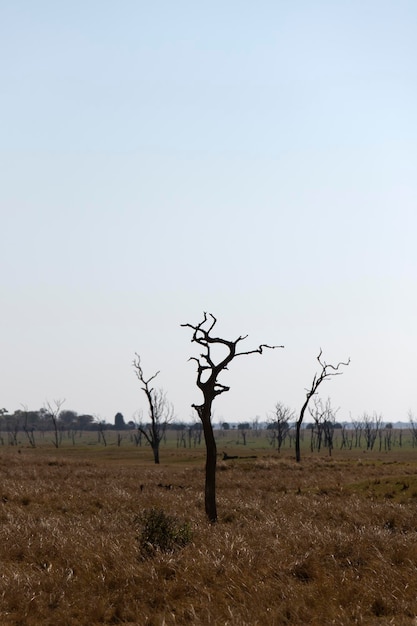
pixel 161 532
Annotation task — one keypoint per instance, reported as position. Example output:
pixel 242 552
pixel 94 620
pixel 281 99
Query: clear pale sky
pixel 256 160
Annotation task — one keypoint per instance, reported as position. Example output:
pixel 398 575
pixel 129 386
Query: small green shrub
pixel 162 532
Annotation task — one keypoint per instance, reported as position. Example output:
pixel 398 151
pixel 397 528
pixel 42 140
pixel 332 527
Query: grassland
pixel 327 541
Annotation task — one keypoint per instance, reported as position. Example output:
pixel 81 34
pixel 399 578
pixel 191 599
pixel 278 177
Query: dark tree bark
pixel 327 370
pixel 207 373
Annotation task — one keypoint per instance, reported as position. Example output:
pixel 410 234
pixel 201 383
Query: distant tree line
pixel 51 418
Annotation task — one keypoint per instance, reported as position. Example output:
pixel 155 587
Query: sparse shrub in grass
pixel 305 570
pixel 161 532
pixel 228 517
pixel 379 607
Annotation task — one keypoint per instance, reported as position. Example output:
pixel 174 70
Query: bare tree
pixel 28 429
pixel 13 426
pixel 413 428
pixel 371 427
pixel 329 425
pixel 327 371
pixel 255 426
pixel 207 374
pixel 322 431
pixel 388 431
pixel 161 412
pixel 181 440
pixel 319 415
pixel 347 438
pixel 194 434
pixel 52 411
pixel 358 426
pixel 101 430
pixel 278 425
pixel 243 429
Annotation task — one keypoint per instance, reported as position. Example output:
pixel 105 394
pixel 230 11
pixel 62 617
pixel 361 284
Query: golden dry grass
pixel 324 542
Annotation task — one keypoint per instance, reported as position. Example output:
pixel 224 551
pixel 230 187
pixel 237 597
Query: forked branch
pixel 205 362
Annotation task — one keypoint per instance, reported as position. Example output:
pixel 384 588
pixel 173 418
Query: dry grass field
pixel 327 541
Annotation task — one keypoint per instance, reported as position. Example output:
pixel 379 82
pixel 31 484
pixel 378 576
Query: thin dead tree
pixel 322 430
pixel 207 374
pixel 371 428
pixel 13 426
pixel 327 371
pixel 413 428
pixel 329 426
pixel 29 430
pixel 278 425
pixel 319 415
pixel 388 431
pixel 347 438
pixel 181 439
pixel 161 412
pixel 52 411
pixel 101 430
pixel 243 429
pixel 358 426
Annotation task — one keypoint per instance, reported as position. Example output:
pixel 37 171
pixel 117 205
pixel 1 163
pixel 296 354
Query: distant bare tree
pixel 278 425
pixel 243 429
pixel 322 431
pixel 347 438
pixel 52 411
pixel 256 429
pixel 195 432
pixel 12 431
pixel 327 371
pixel 137 436
pixel 12 426
pixel 388 431
pixel 181 440
pixel 161 412
pixel 27 428
pixel 413 428
pixel 101 430
pixel 358 427
pixel 208 372
pixel 329 425
pixel 371 427
pixel 318 413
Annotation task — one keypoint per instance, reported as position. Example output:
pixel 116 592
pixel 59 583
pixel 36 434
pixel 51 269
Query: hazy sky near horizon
pixel 253 160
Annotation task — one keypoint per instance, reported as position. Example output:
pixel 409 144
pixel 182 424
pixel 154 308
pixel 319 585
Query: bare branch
pixel 258 350
pixel 139 372
pixel 325 365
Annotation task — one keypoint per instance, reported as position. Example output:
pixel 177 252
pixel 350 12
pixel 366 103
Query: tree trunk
pixel 155 451
pixel 211 461
pixel 297 442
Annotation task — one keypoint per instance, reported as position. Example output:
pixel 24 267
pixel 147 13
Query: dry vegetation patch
pixel 315 543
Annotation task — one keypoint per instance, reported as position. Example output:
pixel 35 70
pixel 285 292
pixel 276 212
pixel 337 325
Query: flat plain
pixel 331 540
